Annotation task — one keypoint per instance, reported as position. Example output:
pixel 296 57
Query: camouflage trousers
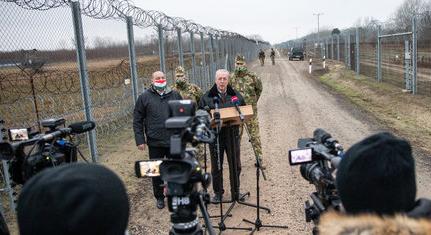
pixel 262 61
pixel 253 128
pixel 200 152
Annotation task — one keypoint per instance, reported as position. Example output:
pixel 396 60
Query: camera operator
pixel 377 187
pixel 151 112
pixel 223 92
pixel 78 198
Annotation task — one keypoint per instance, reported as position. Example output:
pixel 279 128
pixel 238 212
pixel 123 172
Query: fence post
pixel 211 67
pixel 180 47
pixel 379 54
pixel 345 50
pixel 358 62
pixel 132 58
pixel 203 58
pixel 414 54
pixel 326 48
pixel 349 58
pixel 82 63
pixel 216 52
pixel 161 48
pixel 338 47
pixel 226 56
pixel 332 46
pixel 192 50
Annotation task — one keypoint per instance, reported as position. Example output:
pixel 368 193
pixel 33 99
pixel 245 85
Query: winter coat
pixel 225 102
pixel 151 112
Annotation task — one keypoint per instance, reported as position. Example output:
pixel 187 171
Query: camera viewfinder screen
pixel 18 134
pixel 300 156
pixel 150 168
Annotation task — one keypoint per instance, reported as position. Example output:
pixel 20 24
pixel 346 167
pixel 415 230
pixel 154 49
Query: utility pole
pixel 318 27
pixel 296 38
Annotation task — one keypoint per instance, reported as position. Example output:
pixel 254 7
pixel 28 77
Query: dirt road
pixel 292 106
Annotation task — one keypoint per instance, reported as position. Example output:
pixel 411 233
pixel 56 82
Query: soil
pixel 292 105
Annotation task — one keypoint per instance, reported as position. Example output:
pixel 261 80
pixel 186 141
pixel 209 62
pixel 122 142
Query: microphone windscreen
pixel 321 135
pixel 81 127
pixel 234 100
pixel 216 100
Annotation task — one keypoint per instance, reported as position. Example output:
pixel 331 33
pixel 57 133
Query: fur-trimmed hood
pixel 334 223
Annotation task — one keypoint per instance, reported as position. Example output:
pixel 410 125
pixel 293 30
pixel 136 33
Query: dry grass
pixel 408 115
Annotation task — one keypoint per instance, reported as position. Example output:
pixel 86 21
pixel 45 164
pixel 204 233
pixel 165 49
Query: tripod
pixel 259 169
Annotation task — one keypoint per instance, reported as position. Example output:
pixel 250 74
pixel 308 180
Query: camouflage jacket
pixel 248 84
pixel 188 91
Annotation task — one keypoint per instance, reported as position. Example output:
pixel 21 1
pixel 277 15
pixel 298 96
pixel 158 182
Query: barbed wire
pixel 118 9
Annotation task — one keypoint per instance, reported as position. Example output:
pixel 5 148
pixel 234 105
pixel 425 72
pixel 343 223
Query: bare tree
pixel 402 19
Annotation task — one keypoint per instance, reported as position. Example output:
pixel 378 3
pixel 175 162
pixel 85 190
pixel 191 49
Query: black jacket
pixel 207 99
pixel 151 112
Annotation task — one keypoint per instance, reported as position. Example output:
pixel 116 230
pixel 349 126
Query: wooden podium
pixel 230 116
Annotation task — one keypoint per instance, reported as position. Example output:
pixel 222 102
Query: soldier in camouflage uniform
pixel 250 86
pixel 182 85
pixel 188 91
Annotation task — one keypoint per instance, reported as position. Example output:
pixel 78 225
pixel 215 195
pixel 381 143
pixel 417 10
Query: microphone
pixel 216 101
pixel 321 135
pixel 235 102
pixel 56 134
pixel 81 127
pixel 208 109
pixel 74 128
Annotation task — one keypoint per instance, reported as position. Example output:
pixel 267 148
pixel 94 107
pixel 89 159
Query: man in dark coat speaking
pixel 228 138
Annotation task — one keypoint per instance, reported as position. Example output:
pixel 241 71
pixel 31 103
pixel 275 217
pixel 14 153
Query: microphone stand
pixel 222 226
pixel 259 169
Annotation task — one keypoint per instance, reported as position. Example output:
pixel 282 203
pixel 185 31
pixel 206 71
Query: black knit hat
pixel 377 175
pixel 73 199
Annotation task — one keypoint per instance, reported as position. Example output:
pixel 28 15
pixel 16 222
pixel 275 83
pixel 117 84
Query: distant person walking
pixel 272 55
pixel 262 57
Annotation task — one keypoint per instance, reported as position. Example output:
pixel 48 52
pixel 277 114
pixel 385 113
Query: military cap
pixel 180 72
pixel 240 59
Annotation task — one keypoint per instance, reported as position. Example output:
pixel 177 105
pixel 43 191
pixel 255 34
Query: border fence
pixel 400 56
pixel 58 59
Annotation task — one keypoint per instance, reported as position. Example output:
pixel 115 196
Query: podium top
pixel 231 116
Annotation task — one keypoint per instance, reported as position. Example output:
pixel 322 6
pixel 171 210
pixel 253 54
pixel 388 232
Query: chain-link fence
pixel 122 45
pixel 386 52
pixel 89 60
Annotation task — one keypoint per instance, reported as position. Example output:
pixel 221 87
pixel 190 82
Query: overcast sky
pixel 274 20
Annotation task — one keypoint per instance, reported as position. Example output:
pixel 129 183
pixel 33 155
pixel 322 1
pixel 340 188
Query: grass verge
pixel 406 114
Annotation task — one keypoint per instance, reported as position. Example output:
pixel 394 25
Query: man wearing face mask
pixel 250 86
pixel 151 112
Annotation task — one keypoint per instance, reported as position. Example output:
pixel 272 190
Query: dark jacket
pixel 151 112
pixel 225 102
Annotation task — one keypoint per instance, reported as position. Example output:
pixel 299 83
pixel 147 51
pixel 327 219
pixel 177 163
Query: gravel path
pixel 292 106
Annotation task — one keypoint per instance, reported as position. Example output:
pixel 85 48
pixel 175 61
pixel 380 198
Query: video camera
pixel 319 158
pixel 182 172
pixel 31 153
